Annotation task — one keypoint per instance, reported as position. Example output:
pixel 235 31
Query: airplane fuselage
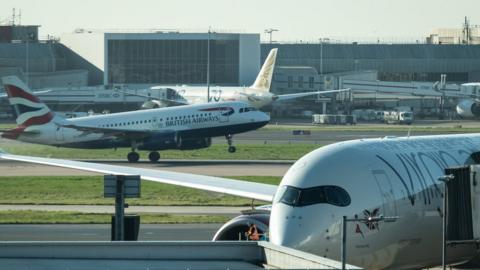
pixel 168 126
pixel 389 177
pixel 198 94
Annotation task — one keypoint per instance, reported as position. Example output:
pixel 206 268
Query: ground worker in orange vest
pixel 253 233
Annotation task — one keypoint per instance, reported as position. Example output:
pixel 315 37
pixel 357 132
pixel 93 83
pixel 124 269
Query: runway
pixel 101 232
pixel 203 167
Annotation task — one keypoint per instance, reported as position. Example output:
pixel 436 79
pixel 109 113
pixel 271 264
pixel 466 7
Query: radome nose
pixel 284 229
pixel 265 117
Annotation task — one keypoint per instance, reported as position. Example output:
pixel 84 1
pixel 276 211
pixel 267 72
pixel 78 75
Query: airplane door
pixel 225 114
pixel 386 190
pixel 59 136
pixel 475 193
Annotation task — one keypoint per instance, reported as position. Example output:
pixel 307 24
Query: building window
pixel 172 61
pixel 290 81
pixel 300 81
pixel 310 82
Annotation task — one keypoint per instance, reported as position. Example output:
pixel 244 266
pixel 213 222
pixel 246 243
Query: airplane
pixel 34 93
pixel 257 95
pixel 363 178
pixel 183 128
pixel 467 95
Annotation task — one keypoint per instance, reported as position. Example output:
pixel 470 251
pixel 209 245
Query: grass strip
pixel 216 151
pixel 454 128
pixel 88 190
pixel 66 217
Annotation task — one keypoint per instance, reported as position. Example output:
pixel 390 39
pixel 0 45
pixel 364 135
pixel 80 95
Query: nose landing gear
pixel 133 156
pixel 231 148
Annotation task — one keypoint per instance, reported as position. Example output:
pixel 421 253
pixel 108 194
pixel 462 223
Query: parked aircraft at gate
pixel 257 95
pixel 183 127
pixel 361 178
pixel 466 95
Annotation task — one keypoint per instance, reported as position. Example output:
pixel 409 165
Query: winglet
pixel 264 78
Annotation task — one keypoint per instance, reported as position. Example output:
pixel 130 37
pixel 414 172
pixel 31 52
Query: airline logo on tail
pixel 27 107
pixel 264 78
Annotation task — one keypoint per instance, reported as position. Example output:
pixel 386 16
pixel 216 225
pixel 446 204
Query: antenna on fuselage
pixel 409 132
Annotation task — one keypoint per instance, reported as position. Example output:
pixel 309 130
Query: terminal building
pixel 303 67
pixel 140 59
pixel 42 62
pixel 181 58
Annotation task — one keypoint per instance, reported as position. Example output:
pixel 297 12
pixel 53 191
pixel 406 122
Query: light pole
pixel 30 36
pixel 321 56
pixel 321 41
pixel 26 60
pixel 208 66
pixel 343 247
pixel 445 179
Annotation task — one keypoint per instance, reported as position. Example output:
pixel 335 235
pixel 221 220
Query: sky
pixel 300 20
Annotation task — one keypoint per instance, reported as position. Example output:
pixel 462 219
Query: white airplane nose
pixel 285 226
pixel 264 117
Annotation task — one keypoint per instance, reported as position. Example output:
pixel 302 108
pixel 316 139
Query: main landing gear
pixel 231 148
pixel 133 157
pixel 154 156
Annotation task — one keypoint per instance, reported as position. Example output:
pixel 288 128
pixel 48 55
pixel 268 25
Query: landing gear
pixel 154 156
pixel 133 157
pixel 231 148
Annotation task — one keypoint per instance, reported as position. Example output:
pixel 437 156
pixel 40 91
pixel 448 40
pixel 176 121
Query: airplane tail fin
pixel 264 77
pixel 28 109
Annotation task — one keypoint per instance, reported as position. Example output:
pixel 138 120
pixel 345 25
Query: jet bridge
pixel 463 205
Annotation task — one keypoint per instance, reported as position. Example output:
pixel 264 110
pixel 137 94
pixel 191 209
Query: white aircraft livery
pixel 257 95
pixel 359 178
pixel 183 127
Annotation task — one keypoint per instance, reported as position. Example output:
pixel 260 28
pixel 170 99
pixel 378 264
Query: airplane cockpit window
pixel 297 197
pixel 247 109
pixel 290 196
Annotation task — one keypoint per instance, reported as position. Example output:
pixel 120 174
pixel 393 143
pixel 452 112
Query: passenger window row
pixel 155 120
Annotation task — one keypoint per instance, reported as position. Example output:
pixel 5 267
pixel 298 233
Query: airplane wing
pixel 396 93
pixel 169 102
pixel 305 94
pixel 423 93
pixel 251 190
pixel 4 95
pixel 116 132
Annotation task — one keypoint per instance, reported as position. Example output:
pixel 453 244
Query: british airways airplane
pixel 257 95
pixel 359 178
pixel 183 127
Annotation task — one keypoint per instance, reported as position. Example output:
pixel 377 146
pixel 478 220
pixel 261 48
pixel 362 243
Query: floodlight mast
pixel 208 65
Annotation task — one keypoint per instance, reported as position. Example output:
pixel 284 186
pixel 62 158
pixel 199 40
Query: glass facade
pixel 148 61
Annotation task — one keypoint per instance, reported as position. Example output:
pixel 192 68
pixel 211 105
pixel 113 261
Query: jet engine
pixel 468 108
pixel 158 142
pixel 237 228
pixel 153 104
pixel 193 143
